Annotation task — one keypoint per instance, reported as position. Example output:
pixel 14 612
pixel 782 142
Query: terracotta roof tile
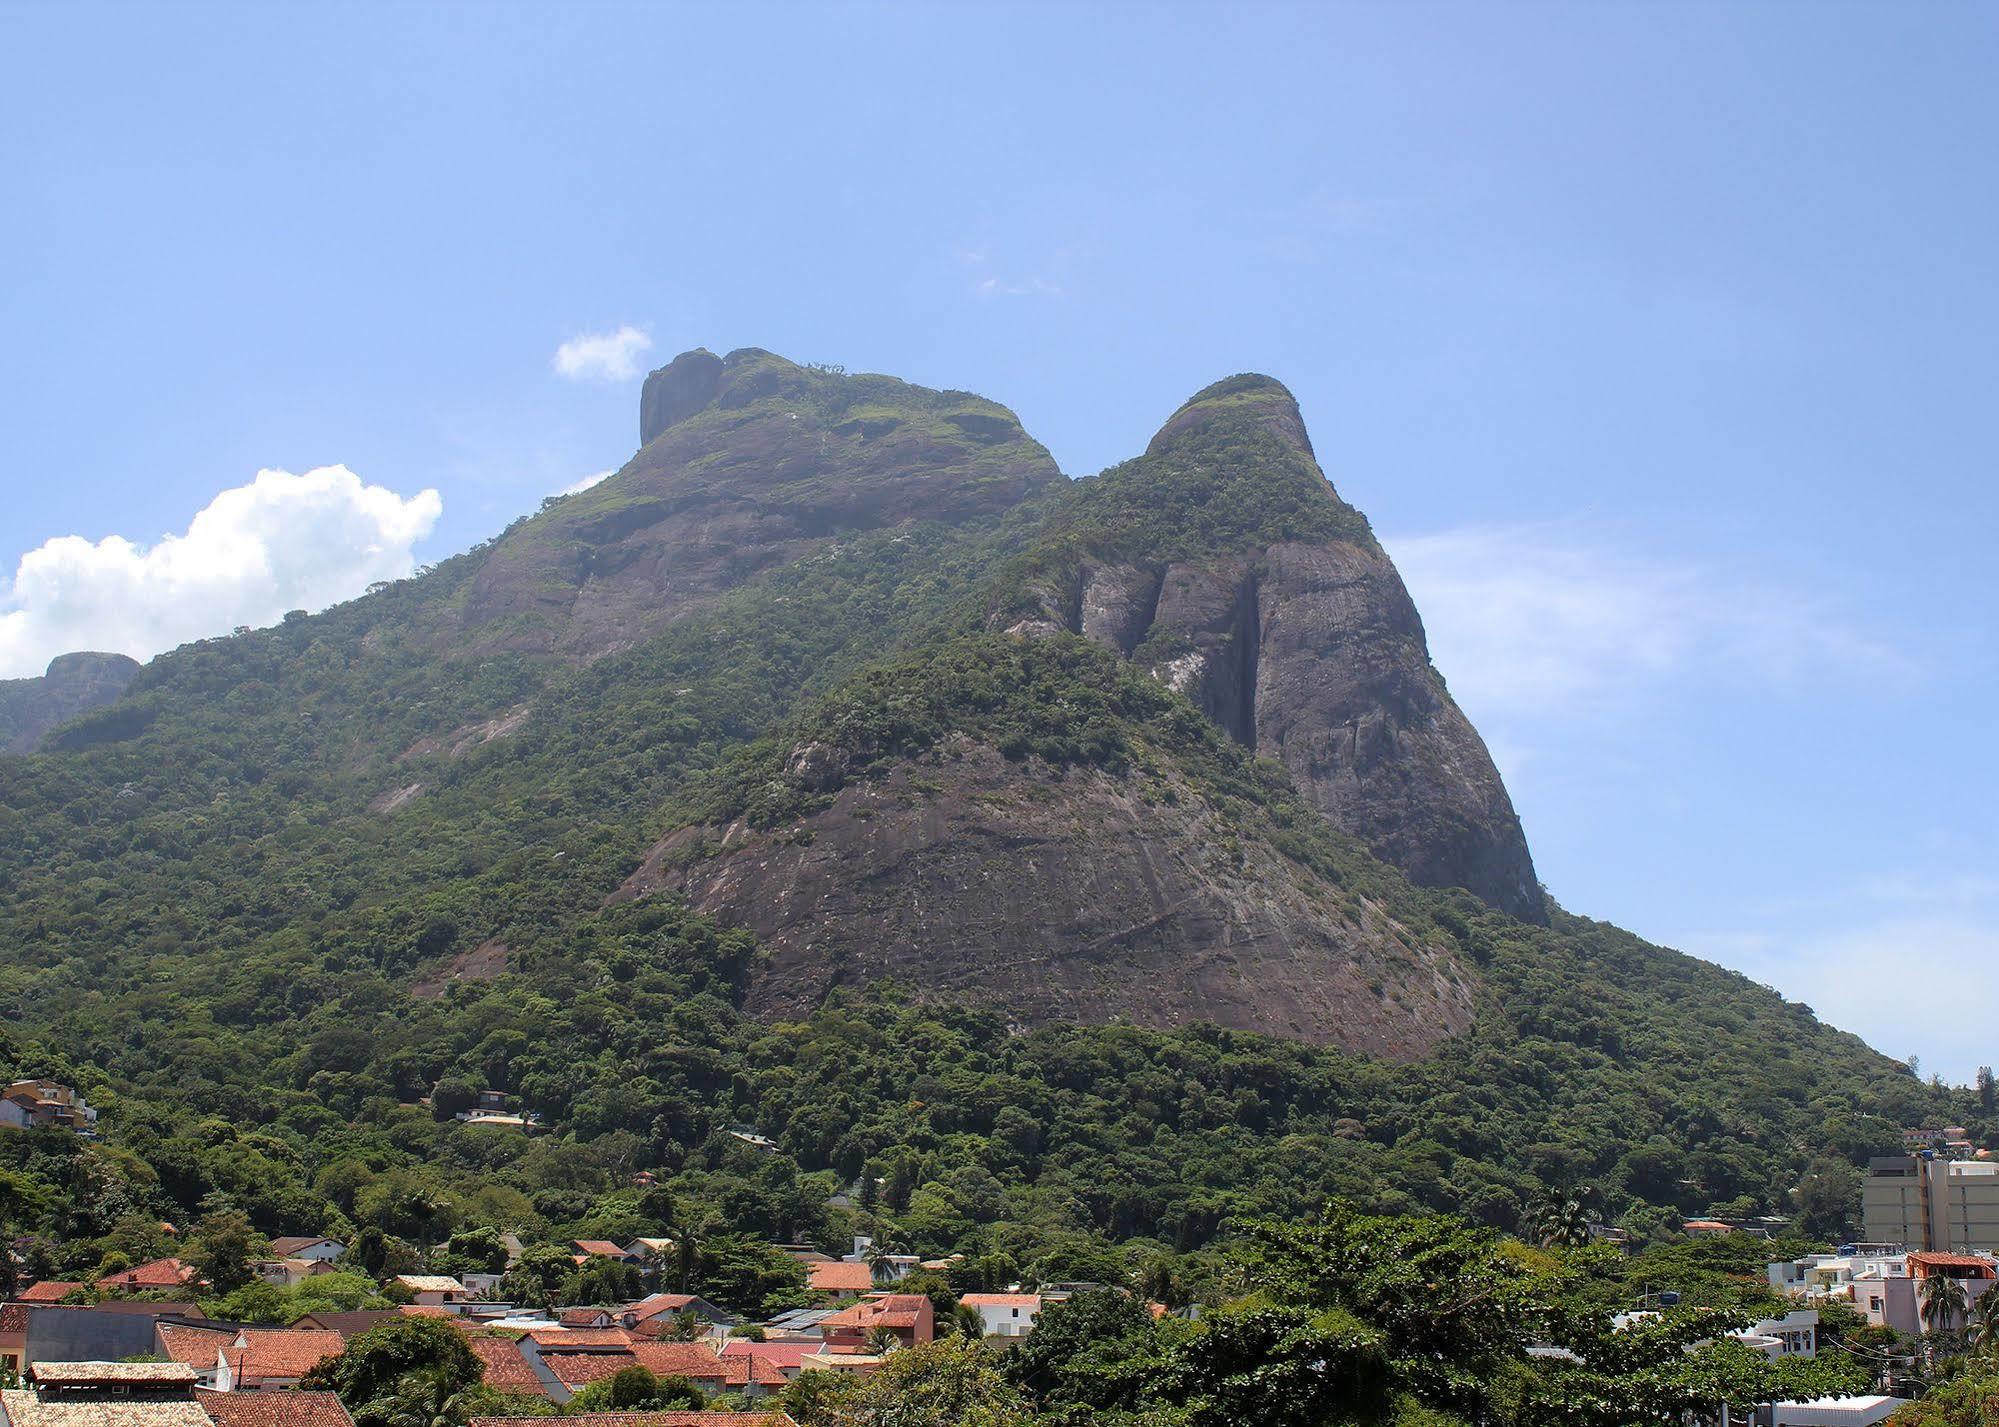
pixel 839 1277
pixel 284 1352
pixel 506 1369
pixel 197 1347
pixel 290 1408
pixel 49 1290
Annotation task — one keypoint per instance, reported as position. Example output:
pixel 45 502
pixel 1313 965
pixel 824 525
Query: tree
pixel 1098 1351
pixel 1988 1090
pixel 1966 1402
pixel 635 1389
pixel 377 1360
pixel 1943 1304
pixel 474 1250
pixel 816 1399
pixel 948 1383
pixel 452 1095
pixel 1562 1220
pixel 537 1279
pixel 222 1249
pixel 1828 1199
pixel 1984 1328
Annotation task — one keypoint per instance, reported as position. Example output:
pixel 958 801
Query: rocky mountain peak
pixel 73 685
pixel 1242 405
pixel 677 390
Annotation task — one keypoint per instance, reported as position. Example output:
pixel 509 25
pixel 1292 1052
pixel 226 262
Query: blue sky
pixel 1658 342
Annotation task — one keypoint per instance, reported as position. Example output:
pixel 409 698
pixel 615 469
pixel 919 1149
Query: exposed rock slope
pixel 750 462
pixel 1118 882
pixel 1223 561
pixel 73 686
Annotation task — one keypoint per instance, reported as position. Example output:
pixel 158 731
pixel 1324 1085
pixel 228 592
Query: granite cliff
pixel 73 686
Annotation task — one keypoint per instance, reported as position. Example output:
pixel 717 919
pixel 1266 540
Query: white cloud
pixel 577 487
pixel 282 542
pixel 603 356
pixel 1531 620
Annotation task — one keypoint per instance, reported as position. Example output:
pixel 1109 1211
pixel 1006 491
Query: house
pixel 584 1318
pixel 1701 1228
pixel 909 1317
pixel 44 1105
pixel 600 1249
pixel 1795 1335
pixel 290 1273
pixel 49 1290
pixel 433 1289
pixel 787 1358
pixel 349 1325
pixel 892 1266
pixel 105 1394
pixel 506 1369
pixel 1004 1315
pixel 322 1250
pixel 569 1372
pixel 804 1253
pixel 273 1409
pixel 654 1314
pixel 198 1347
pixel 265 1358
pixel 160 1273
pixel 13 1337
pixel 839 1277
pixel 649 1251
pixel 1832 1412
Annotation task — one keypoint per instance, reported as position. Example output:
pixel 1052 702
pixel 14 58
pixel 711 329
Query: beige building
pixel 1929 1203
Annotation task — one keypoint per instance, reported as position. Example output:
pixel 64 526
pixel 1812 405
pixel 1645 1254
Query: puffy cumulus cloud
pixel 280 543
pixel 1531 620
pixel 603 356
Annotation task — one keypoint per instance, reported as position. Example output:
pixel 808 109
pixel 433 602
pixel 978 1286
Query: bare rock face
pixel 750 462
pixel 1084 898
pixel 1244 582
pixel 74 685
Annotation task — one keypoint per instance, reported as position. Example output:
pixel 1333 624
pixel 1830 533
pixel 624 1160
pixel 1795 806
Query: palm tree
pixel 881 1260
pixel 1563 1221
pixel 1984 1326
pixel 1944 1302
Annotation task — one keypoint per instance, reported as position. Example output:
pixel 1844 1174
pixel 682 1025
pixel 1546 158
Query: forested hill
pixel 1085 861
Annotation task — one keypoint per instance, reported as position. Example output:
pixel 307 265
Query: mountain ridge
pixel 298 875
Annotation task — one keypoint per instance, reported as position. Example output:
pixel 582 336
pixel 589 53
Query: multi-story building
pixel 1932 1203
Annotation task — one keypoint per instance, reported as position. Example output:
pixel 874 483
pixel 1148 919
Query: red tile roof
pixel 197 1347
pixel 160 1273
pixel 13 1317
pixel 574 1370
pixel 284 1352
pixel 785 1357
pixel 601 1248
pixel 699 1361
pixel 273 1409
pixel 891 1310
pixel 558 1339
pixel 581 1317
pixel 654 1304
pixel 49 1290
pixel 506 1369
pixel 1926 1259
pixel 839 1277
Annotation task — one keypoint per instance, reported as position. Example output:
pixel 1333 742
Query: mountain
pixel 1224 562
pixel 1088 860
pixel 74 684
pixel 749 462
